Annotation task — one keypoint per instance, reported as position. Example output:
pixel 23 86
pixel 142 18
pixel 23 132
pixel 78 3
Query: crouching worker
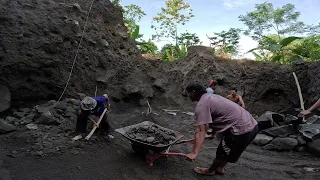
pixel 92 109
pixel 236 126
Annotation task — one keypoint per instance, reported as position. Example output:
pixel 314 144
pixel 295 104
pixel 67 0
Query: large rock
pixel 268 119
pixel 314 147
pixel 290 119
pixel 262 139
pixel 313 120
pixel 49 117
pixel 310 131
pixel 5 127
pixel 279 131
pixel 27 119
pixel 281 144
pixel 5 97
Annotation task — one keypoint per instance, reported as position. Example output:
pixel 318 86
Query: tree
pixel 308 49
pixel 148 47
pixel 176 12
pixel 314 30
pixel 280 51
pixel 284 21
pixel 188 39
pixel 226 41
pixel 132 14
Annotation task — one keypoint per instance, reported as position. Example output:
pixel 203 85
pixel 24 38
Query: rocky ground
pixel 40 147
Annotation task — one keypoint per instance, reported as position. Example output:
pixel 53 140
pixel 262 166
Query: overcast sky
pixel 217 15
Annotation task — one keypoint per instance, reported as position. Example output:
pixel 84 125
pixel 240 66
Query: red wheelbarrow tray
pixel 156 148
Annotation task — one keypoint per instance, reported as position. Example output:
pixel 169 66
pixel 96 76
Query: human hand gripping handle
pixel 200 135
pixel 312 108
pixel 191 157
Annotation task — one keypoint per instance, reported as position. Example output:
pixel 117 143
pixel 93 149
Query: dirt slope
pixel 38 41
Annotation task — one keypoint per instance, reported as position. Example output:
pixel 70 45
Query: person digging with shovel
pixel 314 107
pixel 92 108
pixel 236 126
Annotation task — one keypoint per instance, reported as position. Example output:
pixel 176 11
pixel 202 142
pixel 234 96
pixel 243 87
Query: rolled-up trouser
pixel 232 146
pixel 81 126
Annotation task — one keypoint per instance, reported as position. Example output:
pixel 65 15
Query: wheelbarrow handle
pixel 191 140
pixel 185 141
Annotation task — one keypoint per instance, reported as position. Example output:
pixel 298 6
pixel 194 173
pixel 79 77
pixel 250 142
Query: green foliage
pixel 176 12
pixel 314 30
pixel 135 33
pixel 148 47
pixel 165 47
pixel 266 18
pixel 188 39
pixel 132 14
pixel 171 53
pixel 308 49
pixel 226 41
pixel 275 51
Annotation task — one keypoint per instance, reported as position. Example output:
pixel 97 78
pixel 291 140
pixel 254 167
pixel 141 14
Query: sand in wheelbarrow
pixel 152 134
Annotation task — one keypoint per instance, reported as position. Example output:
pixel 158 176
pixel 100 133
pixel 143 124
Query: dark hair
pixel 235 89
pixel 197 88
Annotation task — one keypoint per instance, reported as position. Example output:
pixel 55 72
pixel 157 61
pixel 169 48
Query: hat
pixel 88 103
pixel 211 82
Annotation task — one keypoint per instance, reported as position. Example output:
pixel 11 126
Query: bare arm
pixel 315 106
pixel 200 135
pixel 108 102
pixel 228 97
pixel 312 108
pixel 242 102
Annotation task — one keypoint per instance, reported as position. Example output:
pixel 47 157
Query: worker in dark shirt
pixel 92 108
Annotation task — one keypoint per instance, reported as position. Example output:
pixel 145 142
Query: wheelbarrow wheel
pixel 140 150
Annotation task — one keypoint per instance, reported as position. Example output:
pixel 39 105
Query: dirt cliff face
pixel 264 86
pixel 39 39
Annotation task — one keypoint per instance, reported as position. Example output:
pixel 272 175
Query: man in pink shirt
pixel 236 125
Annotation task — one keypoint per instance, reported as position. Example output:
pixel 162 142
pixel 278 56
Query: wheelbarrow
pixel 143 148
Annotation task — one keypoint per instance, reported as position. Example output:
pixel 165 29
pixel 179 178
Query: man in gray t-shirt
pixel 237 126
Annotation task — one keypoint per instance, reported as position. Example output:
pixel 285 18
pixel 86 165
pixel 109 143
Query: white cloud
pixel 231 4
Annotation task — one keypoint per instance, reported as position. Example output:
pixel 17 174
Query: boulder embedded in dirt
pixel 279 131
pixel 301 140
pixel 268 119
pixel 32 126
pixel 313 120
pixel 5 98
pixel 40 109
pixel 290 119
pixel 5 127
pixel 61 105
pixel 314 147
pixel 11 120
pixel 27 119
pixel 281 144
pixel 310 131
pixel 19 114
pixel 49 118
pixel 262 139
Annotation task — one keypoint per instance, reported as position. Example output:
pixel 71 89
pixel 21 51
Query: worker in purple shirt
pixel 235 125
pixel 92 108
